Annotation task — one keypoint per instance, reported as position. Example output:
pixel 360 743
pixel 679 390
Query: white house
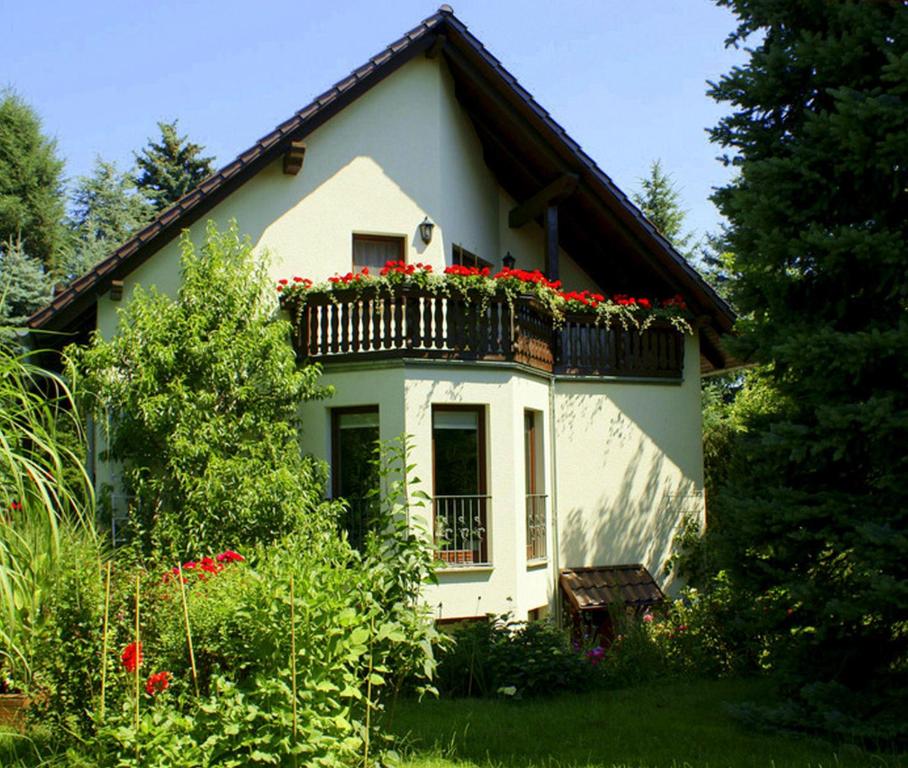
pixel 581 447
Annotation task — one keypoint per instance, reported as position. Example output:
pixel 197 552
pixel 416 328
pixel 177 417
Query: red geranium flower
pixel 132 657
pixel 158 682
pixel 230 557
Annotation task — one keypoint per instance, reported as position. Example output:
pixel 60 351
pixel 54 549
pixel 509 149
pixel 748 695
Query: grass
pixel 666 725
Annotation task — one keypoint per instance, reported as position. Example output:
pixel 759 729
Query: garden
pixel 234 623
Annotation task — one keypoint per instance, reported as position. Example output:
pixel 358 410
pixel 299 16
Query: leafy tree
pixel 25 284
pixel 660 202
pixel 108 209
pixel 815 505
pixel 31 183
pixel 170 167
pixel 204 389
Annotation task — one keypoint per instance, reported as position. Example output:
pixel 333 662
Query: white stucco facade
pixel 622 460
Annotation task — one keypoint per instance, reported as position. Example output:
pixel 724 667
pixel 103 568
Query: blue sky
pixel 626 79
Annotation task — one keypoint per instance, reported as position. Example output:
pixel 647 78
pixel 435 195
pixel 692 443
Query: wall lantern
pixel 425 230
pixel 508 261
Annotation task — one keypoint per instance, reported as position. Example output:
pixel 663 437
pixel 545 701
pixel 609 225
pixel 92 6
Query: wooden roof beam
pixel 550 195
pixel 293 157
pixel 433 50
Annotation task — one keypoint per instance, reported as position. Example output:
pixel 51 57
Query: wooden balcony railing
pixel 410 323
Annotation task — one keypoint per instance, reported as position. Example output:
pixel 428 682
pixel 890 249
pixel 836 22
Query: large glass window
pixel 354 475
pixel 461 501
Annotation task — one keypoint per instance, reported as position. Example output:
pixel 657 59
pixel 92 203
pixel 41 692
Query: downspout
pixel 556 553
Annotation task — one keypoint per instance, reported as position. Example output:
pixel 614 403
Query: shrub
pixel 202 393
pixel 502 657
pixel 298 647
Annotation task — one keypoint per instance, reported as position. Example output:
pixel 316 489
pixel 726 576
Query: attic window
pixel 374 251
pixel 464 258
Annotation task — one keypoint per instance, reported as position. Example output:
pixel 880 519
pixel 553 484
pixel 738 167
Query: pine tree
pixel 32 207
pixel 108 209
pixel 815 510
pixel 660 202
pixel 24 284
pixel 171 167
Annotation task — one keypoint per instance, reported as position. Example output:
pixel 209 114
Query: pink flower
pixel 648 617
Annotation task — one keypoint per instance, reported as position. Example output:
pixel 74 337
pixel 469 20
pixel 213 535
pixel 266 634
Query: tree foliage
pixel 107 210
pixel 202 392
pixel 170 167
pixel 31 183
pixel 25 284
pixel 660 202
pixel 815 506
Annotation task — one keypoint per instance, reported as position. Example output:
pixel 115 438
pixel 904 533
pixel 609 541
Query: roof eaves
pixel 257 153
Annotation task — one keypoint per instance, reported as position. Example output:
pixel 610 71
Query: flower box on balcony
pixel 456 556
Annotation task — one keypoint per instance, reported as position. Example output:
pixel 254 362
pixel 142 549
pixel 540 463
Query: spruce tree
pixel 24 284
pixel 107 210
pixel 815 509
pixel 660 202
pixel 32 208
pixel 170 167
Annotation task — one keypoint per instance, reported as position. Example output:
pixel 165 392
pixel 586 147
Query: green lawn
pixel 670 725
pixel 677 725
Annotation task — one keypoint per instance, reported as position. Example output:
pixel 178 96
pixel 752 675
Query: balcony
pixel 367 324
pixel 461 529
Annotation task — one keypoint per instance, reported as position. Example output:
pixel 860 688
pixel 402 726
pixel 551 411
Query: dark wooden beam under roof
pixel 293 157
pixel 482 97
pixel 436 47
pixel 550 195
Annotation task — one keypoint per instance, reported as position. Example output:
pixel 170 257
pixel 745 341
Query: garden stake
pixel 195 674
pixel 293 658
pixel 138 661
pixel 369 692
pixel 104 640
pixel 293 651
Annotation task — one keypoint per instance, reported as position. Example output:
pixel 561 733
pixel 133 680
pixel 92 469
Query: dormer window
pixel 374 251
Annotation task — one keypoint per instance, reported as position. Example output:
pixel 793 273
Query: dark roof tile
pixel 598 587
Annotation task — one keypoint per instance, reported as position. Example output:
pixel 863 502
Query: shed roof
pixel 598 587
pixel 523 145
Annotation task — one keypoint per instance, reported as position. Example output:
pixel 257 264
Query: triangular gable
pixel 497 104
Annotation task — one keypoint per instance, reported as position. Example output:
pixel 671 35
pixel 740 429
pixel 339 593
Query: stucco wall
pixel 403 151
pixel 628 454
pixel 629 466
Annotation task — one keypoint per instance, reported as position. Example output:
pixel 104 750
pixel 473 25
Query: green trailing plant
pixel 473 284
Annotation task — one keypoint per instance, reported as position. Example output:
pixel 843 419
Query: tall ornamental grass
pixel 47 502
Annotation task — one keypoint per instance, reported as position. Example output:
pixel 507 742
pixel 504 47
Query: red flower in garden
pixel 15 506
pixel 158 682
pixel 132 657
pixel 210 566
pixel 229 556
pixel 283 281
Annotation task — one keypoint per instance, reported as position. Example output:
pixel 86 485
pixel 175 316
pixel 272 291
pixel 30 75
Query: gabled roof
pixel 523 145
